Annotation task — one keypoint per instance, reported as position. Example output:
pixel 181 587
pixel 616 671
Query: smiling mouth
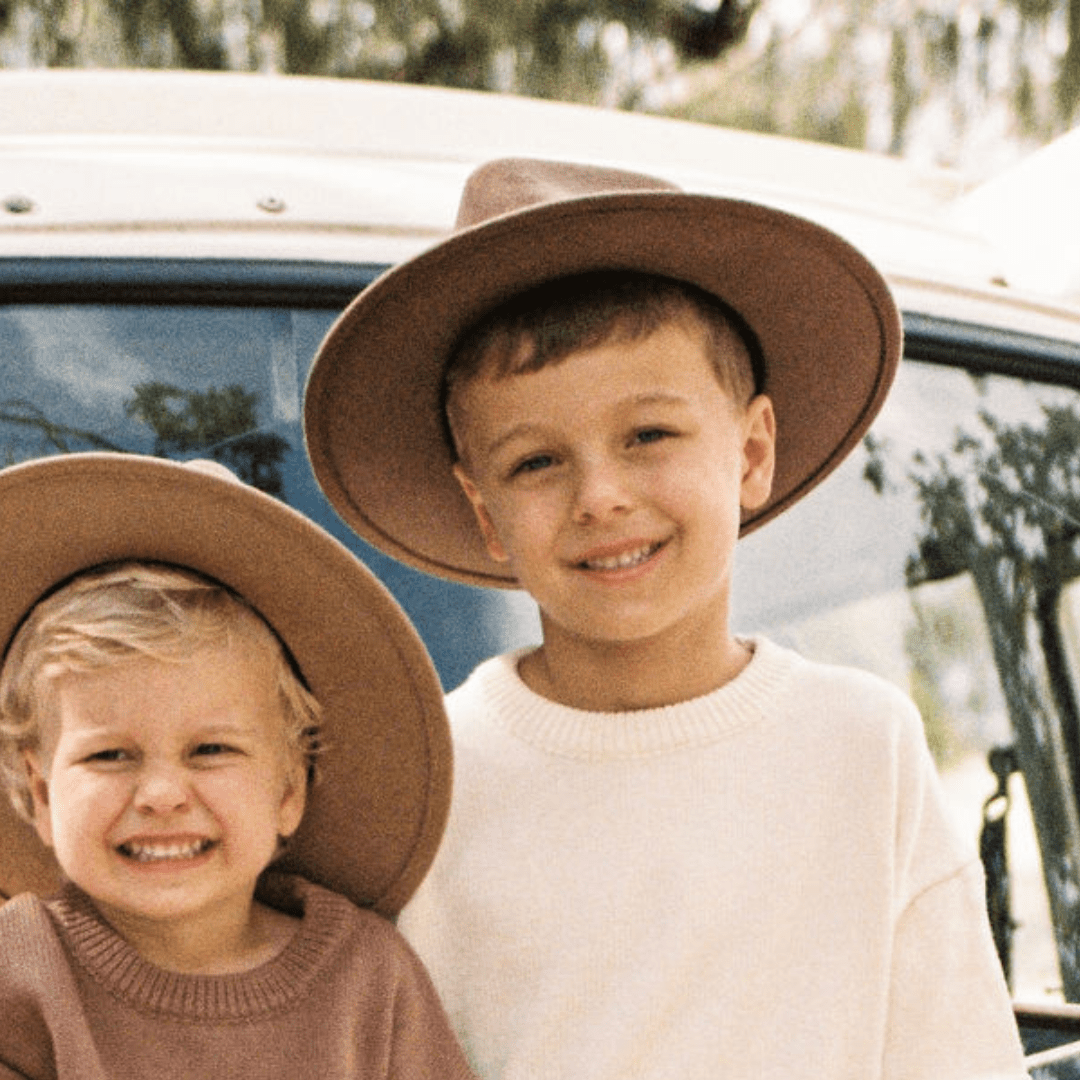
pixel 164 852
pixel 623 561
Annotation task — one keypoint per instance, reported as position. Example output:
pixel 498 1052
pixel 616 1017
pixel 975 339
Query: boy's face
pixel 611 483
pixel 163 787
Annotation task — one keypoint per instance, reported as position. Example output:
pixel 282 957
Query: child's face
pixel 612 482
pixel 163 787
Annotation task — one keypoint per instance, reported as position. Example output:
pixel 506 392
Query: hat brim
pixel 376 814
pixel 829 329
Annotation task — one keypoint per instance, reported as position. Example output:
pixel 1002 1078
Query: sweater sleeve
pixel 949 1014
pixel 422 1042
pixel 39 999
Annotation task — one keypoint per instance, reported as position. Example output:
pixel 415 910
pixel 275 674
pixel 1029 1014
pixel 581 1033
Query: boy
pixel 673 851
pixel 195 677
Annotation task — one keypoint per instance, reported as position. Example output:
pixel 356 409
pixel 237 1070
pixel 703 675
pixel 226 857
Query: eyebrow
pixel 517 431
pixel 653 397
pixel 227 729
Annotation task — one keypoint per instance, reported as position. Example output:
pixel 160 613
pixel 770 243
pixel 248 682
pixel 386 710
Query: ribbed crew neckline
pixel 119 969
pixel 598 736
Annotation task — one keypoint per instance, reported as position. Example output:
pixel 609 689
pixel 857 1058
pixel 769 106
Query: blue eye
pixel 109 756
pixel 213 749
pixel 650 435
pixel 533 464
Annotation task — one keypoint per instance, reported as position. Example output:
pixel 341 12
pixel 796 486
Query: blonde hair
pixel 124 612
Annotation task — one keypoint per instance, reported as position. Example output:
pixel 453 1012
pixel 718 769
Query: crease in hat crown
pixel 507 185
pixel 828 326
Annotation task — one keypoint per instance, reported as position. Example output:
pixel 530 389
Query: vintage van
pixel 173 246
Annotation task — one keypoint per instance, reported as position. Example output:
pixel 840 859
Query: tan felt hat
pixel 376 814
pixel 829 330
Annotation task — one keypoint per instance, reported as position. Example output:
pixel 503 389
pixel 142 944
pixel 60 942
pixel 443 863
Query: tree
pixel 220 423
pixel 544 48
pixel 53 437
pixel 953 84
pixel 956 84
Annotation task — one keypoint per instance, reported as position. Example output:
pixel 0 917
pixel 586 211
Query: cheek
pixel 230 791
pixel 292 792
pixel 527 525
pixel 683 493
pixel 80 810
pixel 235 795
pixel 704 498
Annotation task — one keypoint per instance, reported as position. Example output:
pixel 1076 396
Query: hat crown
pixel 510 184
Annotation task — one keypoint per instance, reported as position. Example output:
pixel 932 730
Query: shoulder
pixel 20 909
pixel 36 983
pixel 864 723
pixel 869 736
pixel 24 926
pixel 29 944
pixel 359 933
pixel 479 707
pixel 837 689
pixel 495 676
pixel 375 975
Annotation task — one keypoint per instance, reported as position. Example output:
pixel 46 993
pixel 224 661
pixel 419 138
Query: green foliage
pixel 544 48
pixel 183 421
pixel 219 423
pixel 947 640
pixel 926 693
pixel 849 73
pixel 896 77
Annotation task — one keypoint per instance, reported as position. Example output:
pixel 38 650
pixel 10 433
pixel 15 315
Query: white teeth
pixel 160 852
pixel 623 561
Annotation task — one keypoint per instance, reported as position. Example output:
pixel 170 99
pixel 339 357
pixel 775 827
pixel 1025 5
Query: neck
pixel 609 676
pixel 221 947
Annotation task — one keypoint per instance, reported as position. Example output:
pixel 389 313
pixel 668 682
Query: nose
pixel 602 488
pixel 161 788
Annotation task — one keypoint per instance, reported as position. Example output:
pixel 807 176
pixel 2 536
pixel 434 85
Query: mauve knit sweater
pixel 345 998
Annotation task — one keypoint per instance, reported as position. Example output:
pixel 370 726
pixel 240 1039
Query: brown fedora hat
pixel 829 330
pixel 376 813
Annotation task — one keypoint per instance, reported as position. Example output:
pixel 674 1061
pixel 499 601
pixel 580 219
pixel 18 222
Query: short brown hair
pixel 545 324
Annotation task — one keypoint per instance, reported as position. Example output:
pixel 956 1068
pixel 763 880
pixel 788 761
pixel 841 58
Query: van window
pixel 943 555
pixel 195 380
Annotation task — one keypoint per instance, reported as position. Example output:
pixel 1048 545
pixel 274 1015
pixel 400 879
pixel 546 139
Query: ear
pixel 759 452
pixel 483 518
pixel 294 799
pixel 39 796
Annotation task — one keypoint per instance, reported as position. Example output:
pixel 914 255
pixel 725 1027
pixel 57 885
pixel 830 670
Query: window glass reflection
pixel 221 382
pixel 939 556
pixel 177 382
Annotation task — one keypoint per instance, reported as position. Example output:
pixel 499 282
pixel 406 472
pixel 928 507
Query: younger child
pixel 187 666
pixel 673 851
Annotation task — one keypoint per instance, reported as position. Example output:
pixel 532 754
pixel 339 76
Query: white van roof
pixel 182 164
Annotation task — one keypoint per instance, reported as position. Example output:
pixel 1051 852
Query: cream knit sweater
pixel 759 884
